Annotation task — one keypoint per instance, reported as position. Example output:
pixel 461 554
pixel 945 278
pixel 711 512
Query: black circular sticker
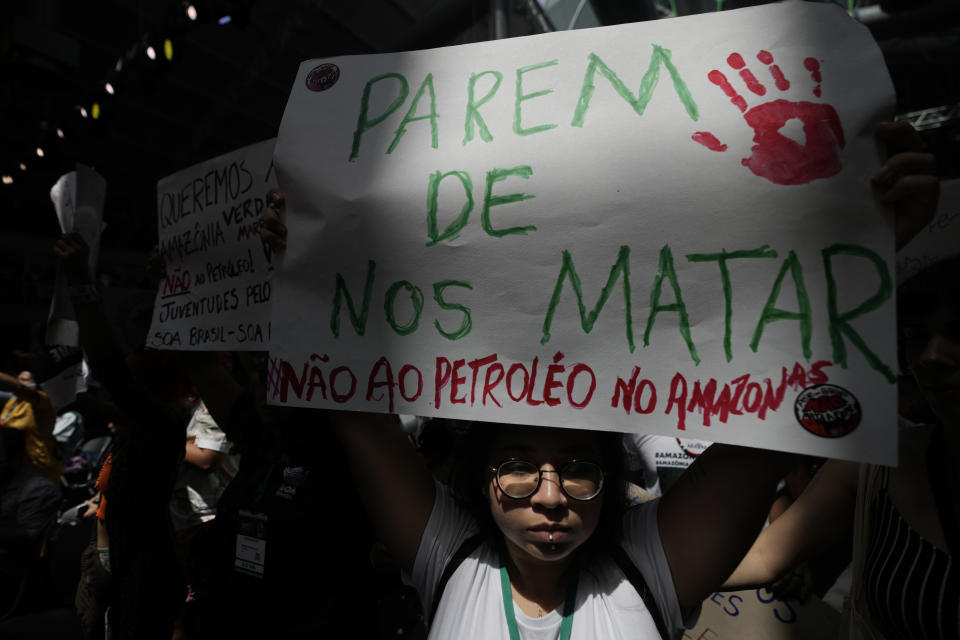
pixel 323 77
pixel 827 410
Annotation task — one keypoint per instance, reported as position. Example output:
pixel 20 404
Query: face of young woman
pixel 530 523
pixel 933 353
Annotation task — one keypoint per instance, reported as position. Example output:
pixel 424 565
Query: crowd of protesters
pixel 208 513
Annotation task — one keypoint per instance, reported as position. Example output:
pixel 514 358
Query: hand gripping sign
pixel 660 227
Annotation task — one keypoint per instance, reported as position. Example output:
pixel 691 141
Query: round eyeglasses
pixel 579 479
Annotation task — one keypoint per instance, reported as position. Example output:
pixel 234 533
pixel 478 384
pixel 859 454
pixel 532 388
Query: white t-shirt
pixel 607 606
pixel 197 491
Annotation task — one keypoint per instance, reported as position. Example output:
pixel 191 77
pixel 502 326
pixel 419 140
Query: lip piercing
pixel 551 536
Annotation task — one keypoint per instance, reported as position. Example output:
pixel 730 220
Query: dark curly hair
pixel 470 475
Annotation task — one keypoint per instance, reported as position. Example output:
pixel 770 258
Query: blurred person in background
pixel 147 589
pixel 28 505
pixel 30 411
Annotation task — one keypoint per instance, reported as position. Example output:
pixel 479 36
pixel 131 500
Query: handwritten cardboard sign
pixel 216 293
pixel 757 615
pixel 660 227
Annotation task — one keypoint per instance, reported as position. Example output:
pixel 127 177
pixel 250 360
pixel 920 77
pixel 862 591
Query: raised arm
pixel 18 388
pixel 205 459
pixel 821 516
pixel 712 514
pixel 104 353
pixel 96 337
pixel 392 478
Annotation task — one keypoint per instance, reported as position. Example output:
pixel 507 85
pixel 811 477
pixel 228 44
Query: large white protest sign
pixel 660 227
pixel 216 291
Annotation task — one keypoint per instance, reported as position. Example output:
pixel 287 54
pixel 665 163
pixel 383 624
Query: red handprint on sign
pixel 776 157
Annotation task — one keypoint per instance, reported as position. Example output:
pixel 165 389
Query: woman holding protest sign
pixel 532 540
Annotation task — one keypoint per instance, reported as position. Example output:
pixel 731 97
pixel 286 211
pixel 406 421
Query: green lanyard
pixel 565 625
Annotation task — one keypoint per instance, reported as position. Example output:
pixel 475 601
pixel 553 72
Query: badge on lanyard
pixel 251 543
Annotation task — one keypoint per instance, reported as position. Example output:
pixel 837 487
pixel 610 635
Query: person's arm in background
pixel 14 386
pixel 206 444
pixel 201 458
pixel 392 479
pixel 798 584
pixel 97 339
pixel 822 515
pixel 92 504
pixel 102 349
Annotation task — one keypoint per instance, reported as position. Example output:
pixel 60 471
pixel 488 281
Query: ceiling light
pixel 23 167
pixel 83 112
pixel 59 132
pixel 108 88
pixel 191 12
pixel 7 179
pixel 39 152
pixel 224 20
pixel 168 49
pixel 151 53
pixel 117 67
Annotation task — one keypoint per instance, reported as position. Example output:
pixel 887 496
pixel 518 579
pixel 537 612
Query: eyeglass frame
pixel 495 469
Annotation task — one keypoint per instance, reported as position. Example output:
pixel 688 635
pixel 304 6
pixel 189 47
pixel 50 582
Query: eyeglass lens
pixel 580 480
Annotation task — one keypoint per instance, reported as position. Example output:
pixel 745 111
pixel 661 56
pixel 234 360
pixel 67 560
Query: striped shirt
pixel 911 586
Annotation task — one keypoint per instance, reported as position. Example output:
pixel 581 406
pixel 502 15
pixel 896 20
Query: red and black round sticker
pixel 827 410
pixel 323 76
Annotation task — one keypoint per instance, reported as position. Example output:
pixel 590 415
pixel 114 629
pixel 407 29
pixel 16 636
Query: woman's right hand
pixel 272 229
